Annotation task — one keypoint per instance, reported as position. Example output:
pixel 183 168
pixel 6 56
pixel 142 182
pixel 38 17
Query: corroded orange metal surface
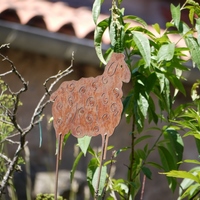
pixel 91 106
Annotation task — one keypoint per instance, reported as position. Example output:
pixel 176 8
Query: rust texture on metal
pixel 91 106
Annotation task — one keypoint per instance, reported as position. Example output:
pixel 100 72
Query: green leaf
pixel 143 30
pixel 182 174
pixel 197 141
pixel 186 183
pixel 121 150
pixel 176 83
pixel 147 172
pixel 176 14
pixel 128 104
pixel 140 139
pixel 143 105
pixel 21 161
pixel 194 91
pixel 161 78
pixel 191 16
pixel 197 26
pixel 84 143
pixel 75 165
pixel 98 34
pixel 167 164
pixel 194 50
pixel 92 165
pixel 185 30
pixel 166 159
pixel 166 52
pixel 155 165
pixel 113 33
pixel 192 161
pixel 140 154
pixel 96 9
pixel 175 145
pixel 120 186
pixel 136 19
pixel 143 45
pixel 135 186
pixel 102 179
pixel 150 82
pixel 156 27
pixel 191 191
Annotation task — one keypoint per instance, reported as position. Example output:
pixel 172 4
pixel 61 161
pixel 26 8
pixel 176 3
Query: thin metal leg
pixel 103 156
pixel 58 157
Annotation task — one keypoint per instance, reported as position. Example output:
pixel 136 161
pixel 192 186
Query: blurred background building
pixel 42 36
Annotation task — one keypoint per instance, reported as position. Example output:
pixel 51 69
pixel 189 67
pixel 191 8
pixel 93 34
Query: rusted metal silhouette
pixel 91 106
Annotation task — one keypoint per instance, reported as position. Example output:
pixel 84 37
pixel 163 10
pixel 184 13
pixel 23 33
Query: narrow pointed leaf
pixel 156 27
pixel 176 83
pixel 92 165
pixel 191 16
pixel 102 179
pixel 98 34
pixel 191 191
pixel 147 172
pixel 143 45
pixel 143 105
pixel 84 143
pixel 175 144
pixel 166 159
pixel 166 52
pixel 182 174
pixel 192 161
pixel 75 165
pixel 176 14
pixel 140 139
pixel 194 50
pixel 136 19
pixel 96 9
pixel 161 79
pixel 197 26
pixel 167 164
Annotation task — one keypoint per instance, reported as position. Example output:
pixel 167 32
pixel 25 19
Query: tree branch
pixel 35 116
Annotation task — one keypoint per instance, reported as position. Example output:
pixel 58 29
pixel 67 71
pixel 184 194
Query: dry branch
pixel 35 119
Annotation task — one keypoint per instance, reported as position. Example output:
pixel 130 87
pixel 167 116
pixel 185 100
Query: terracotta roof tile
pixel 55 17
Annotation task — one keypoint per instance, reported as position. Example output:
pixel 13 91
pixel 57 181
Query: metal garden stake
pixel 90 106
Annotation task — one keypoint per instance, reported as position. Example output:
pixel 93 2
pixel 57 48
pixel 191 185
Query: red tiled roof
pixel 54 17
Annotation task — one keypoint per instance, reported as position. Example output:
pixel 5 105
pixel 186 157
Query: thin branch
pixel 34 121
pixel 10 136
pixel 5 45
pixel 15 94
pixel 5 157
pixel 12 142
pixel 6 73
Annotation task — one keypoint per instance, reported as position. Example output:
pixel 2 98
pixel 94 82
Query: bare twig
pixel 103 150
pixel 57 166
pixel 5 157
pixel 6 73
pixel 35 116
